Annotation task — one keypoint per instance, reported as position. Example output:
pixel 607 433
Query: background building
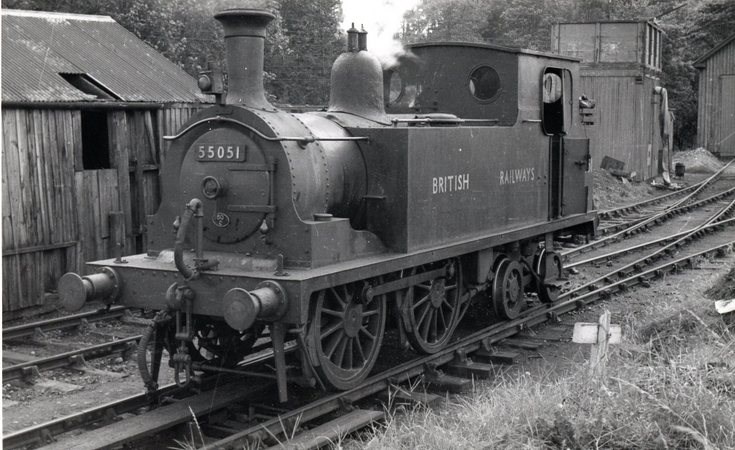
pixel 621 70
pixel 716 99
pixel 85 105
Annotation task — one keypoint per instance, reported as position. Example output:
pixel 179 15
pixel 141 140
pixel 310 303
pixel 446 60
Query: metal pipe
pixel 191 208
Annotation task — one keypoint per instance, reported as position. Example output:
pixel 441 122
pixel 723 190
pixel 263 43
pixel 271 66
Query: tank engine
pixel 422 188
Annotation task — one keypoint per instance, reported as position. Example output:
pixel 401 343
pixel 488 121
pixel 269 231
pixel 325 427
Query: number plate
pixel 221 152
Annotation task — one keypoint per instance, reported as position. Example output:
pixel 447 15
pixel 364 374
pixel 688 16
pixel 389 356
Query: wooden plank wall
pixel 625 115
pixel 171 119
pixel 40 226
pixel 97 195
pixel 55 214
pixel 710 132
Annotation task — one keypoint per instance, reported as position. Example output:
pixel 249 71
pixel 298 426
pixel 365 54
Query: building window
pixel 89 85
pixel 95 140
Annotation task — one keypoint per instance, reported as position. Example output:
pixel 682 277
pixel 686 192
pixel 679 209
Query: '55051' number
pixel 221 152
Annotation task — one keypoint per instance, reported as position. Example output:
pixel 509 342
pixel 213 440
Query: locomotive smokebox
pixel 244 46
pixel 357 81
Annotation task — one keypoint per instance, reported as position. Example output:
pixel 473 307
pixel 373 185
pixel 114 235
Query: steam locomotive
pixel 437 182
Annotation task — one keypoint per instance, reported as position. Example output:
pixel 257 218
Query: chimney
pixel 244 45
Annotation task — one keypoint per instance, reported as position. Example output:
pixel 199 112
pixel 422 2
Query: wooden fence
pixel 56 214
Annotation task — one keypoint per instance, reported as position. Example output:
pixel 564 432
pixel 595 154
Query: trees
pixel 446 20
pixel 299 68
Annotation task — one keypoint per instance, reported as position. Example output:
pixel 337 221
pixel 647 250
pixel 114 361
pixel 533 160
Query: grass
pixel 671 386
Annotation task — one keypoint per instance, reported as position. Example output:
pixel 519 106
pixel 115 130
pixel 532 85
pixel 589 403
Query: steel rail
pixel 636 265
pixel 67 359
pixel 626 209
pixel 61 323
pixel 612 255
pixel 634 228
pixel 480 339
pixel 667 214
pixel 44 433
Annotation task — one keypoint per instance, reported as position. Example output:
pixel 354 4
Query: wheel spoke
pixel 332 329
pixel 369 313
pixel 449 305
pixel 422 301
pixel 360 351
pixel 333 343
pixel 334 313
pixel 423 315
pixel 434 326
pixel 424 286
pixel 340 353
pixel 365 331
pixel 348 354
pixel 346 294
pixel 444 319
pixel 339 298
pixel 425 325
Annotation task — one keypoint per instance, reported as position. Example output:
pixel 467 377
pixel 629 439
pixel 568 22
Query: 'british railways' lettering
pixel 514 176
pixel 450 183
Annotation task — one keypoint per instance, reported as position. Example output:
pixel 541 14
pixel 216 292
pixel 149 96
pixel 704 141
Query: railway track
pixel 634 248
pixel 73 359
pixel 469 355
pixel 675 208
pixel 76 359
pixel 62 323
pixel 619 211
pixel 664 214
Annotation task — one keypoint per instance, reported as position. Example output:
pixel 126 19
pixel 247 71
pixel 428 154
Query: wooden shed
pixel 621 69
pixel 85 104
pixel 716 107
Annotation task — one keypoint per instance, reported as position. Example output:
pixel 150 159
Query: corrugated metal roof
pixel 700 63
pixel 38 46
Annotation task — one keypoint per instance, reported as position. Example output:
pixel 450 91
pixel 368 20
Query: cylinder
pixel 244 47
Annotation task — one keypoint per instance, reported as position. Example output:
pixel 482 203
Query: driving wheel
pixel 508 289
pixel 345 333
pixel 432 308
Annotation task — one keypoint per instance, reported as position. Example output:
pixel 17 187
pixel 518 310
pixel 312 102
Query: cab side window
pixel 556 89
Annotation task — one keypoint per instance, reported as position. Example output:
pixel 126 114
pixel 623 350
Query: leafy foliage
pixel 312 40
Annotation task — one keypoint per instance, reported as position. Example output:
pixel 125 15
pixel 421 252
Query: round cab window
pixel 552 87
pixel 484 83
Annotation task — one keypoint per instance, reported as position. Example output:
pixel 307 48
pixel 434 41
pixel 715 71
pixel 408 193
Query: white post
pixel 600 335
